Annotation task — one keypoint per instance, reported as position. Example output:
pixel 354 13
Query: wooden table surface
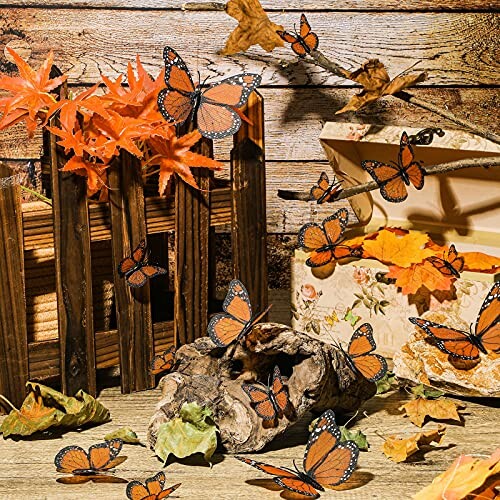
pixel 27 467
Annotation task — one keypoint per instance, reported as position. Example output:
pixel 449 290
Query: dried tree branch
pixel 441 168
pixel 321 60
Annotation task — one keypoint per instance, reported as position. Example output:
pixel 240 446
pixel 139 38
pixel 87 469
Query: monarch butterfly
pixel 163 362
pixel 327 461
pixel 305 41
pixel 323 191
pixel 392 178
pixel 91 465
pixel 136 269
pixel 372 366
pixel 467 345
pixel 152 490
pixel 213 109
pixel 270 403
pixel 452 265
pixel 323 240
pixel 237 321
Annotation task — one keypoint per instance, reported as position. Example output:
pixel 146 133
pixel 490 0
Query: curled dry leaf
pixel 398 450
pixel 437 409
pixel 466 476
pixel 477 261
pixel 254 28
pixel 126 434
pixel 376 83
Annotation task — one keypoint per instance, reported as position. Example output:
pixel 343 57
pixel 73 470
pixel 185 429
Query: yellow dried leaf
pixel 254 28
pixel 477 261
pixel 438 409
pixel 465 476
pixel 393 249
pixel 398 450
pixel 376 83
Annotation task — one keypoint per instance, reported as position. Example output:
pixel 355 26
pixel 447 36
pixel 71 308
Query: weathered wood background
pixel 455 41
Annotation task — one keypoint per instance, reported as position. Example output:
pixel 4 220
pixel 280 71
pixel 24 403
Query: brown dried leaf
pixel 464 477
pixel 398 450
pixel 376 83
pixel 437 409
pixel 254 28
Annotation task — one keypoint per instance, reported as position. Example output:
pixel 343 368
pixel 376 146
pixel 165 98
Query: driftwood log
pixel 318 379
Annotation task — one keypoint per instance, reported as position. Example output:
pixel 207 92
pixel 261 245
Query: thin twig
pixel 372 185
pixel 37 194
pixel 321 60
pixel 7 402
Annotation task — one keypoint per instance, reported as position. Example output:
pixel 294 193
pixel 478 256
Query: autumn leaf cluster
pixel 94 128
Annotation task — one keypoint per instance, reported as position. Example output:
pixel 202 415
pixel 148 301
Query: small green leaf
pixel 126 434
pixel 193 432
pixel 426 392
pixel 357 436
pixel 385 383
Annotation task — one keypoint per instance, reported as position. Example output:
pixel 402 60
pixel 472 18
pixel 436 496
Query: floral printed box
pixel 333 307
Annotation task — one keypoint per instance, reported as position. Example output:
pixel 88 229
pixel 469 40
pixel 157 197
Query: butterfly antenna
pixel 295 465
pixel 204 81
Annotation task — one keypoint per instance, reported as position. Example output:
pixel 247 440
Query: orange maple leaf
pixel 173 156
pixel 93 172
pixel 481 262
pixel 30 93
pixel 410 279
pixel 392 249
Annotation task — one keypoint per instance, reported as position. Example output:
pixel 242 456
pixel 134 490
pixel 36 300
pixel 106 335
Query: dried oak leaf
pixel 410 279
pixel 398 450
pixel 465 476
pixel 481 262
pixel 254 28
pixel 376 83
pixel 392 249
pixel 437 409
pixel 44 408
pixel 30 93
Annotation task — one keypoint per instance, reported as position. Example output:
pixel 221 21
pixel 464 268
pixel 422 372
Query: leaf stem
pixel 37 194
pixel 7 402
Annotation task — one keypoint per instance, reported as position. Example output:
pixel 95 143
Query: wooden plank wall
pixel 454 40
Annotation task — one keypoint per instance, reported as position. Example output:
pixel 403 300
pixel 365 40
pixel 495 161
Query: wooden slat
pixel 248 225
pixel 133 305
pixel 13 330
pixel 271 5
pixel 454 48
pixel 44 356
pixel 73 275
pixel 192 230
pixel 294 118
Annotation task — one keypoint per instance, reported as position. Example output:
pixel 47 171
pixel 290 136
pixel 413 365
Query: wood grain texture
pixel 73 274
pixel 13 329
pixel 192 235
pixel 248 224
pixel 271 5
pixel 294 118
pixel 454 48
pixel 133 305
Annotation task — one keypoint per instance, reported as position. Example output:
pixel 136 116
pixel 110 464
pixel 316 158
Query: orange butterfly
pixel 393 178
pixel 163 362
pixel 372 366
pixel 215 109
pixel 452 265
pixel 91 466
pixel 237 321
pixel 323 191
pixel 327 461
pixel 467 345
pixel 269 402
pixel 136 269
pixel 152 490
pixel 304 42
pixel 323 240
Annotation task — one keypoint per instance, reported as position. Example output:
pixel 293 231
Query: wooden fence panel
pixel 133 305
pixel 13 330
pixel 248 228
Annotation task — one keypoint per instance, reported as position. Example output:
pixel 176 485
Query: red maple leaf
pixel 30 93
pixel 173 156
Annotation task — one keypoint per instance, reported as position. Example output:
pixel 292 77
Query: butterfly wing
pixel 287 36
pixel 412 168
pixel 326 460
pixel 261 401
pixel 335 224
pixel 280 390
pixel 163 362
pixel 216 121
pixel 72 458
pixel 102 455
pixel 137 257
pixel 152 270
pixel 155 484
pixel 268 469
pixel 233 91
pixel 177 75
pixel 388 178
pixel 237 302
pixel 136 491
pixel 309 39
pixel 174 106
pixel 320 188
pixel 167 491
pixel 488 321
pixel 448 340
pixel 136 279
pixel 296 485
pixel 312 236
